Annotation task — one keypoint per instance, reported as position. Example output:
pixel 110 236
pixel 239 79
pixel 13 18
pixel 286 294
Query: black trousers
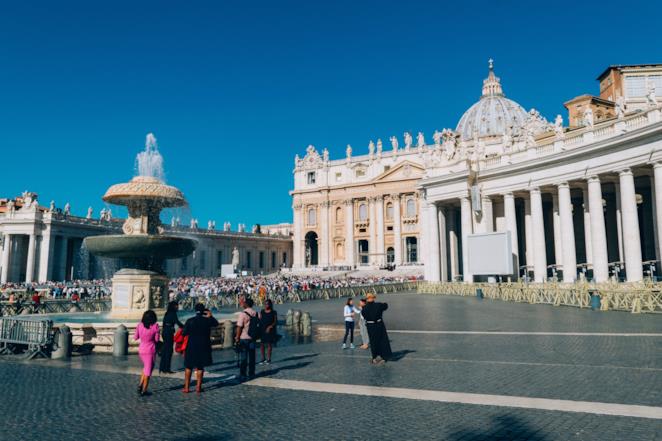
pixel 349 331
pixel 247 362
pixel 166 352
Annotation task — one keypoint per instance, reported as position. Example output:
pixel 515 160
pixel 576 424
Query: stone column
pixel 487 218
pixel 631 238
pixel 443 261
pixel 466 230
pixel 372 230
pixel 453 251
pixel 598 234
pixel 528 233
pixel 567 236
pixel 63 257
pixel 657 178
pixel 349 232
pixel 45 261
pixel 619 221
pixel 5 258
pixel 511 225
pixel 324 236
pixel 381 258
pixel 32 248
pixel 588 236
pixel 538 229
pixel 297 256
pixel 397 229
pixel 431 232
pixel 656 231
pixel 556 222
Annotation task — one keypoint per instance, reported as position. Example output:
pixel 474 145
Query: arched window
pixel 411 207
pixel 389 211
pixel 363 212
pixel 339 215
pixel 312 216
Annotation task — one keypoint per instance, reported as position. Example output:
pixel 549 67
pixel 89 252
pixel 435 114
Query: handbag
pixel 159 347
pixel 181 341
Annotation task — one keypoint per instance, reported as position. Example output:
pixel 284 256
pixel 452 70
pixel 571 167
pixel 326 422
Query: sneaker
pixel 263 362
pixel 268 362
pixel 351 346
pixel 344 346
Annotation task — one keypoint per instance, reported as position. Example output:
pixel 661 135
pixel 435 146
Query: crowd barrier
pixel 53 306
pixel 19 333
pixel 635 298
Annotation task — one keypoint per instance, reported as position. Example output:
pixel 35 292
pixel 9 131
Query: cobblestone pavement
pixel 94 398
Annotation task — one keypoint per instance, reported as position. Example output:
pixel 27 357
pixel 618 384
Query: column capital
pixel 325 204
pixel 625 171
pixel 534 190
pixel 395 197
pixel 593 178
pixel 508 194
pixel 297 206
pixel 656 164
pixel 563 184
pixel 379 198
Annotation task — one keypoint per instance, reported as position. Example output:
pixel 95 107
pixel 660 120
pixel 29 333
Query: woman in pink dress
pixel 147 332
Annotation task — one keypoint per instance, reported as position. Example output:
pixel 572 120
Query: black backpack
pixel 254 326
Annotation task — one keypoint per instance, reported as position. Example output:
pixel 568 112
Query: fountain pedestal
pixel 135 291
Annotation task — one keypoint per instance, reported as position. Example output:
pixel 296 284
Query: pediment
pixel 403 171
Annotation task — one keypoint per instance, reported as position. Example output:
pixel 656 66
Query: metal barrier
pixel 17 333
pixel 54 306
pixel 636 298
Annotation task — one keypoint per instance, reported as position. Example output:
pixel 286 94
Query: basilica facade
pixel 579 199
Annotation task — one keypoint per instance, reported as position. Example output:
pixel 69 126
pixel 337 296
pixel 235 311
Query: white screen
pixel 490 254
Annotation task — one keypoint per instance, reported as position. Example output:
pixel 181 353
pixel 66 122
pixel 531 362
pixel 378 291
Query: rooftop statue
pixel 67 209
pixel 89 213
pixel 437 137
pixel 348 151
pixel 325 155
pixel 588 117
pixel 51 208
pixel 558 126
pixel 420 140
pixel 408 141
pixel 620 107
pixel 651 98
pixel 371 148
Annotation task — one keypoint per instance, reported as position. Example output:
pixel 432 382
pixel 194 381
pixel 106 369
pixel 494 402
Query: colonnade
pixel 541 228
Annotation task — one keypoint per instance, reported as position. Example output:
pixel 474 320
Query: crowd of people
pixel 205 287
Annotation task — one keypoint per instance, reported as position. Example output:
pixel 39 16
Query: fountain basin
pixel 121 246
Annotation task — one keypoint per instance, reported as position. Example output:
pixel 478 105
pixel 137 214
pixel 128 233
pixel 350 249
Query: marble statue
pixel 508 138
pixel 437 137
pixel 173 222
pixel 89 213
pixel 394 143
pixel 408 141
pixel 10 206
pixel 588 117
pixel 325 155
pixel 420 140
pixel 371 148
pixel 379 148
pixel 449 143
pixel 651 98
pixel 348 151
pixel 235 258
pixel 620 107
pixel 297 160
pixel 241 228
pixel 51 208
pixel 210 225
pixel 558 126
pixel 67 209
pixel 227 226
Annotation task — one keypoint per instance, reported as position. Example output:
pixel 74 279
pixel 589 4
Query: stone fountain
pixel 143 248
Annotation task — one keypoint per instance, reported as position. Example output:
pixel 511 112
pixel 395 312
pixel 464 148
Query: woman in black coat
pixel 198 349
pixel 169 321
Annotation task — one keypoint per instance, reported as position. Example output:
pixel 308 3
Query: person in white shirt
pixel 349 324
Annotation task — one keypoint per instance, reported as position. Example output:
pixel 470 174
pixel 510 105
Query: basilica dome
pixel 493 114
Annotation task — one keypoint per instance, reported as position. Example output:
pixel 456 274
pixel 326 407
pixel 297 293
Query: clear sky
pixel 233 90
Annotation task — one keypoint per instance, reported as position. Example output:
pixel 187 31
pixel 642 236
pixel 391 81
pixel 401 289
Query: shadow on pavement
pixel 503 428
pixel 399 355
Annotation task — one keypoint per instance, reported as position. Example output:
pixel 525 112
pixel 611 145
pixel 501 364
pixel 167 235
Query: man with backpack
pixel 248 331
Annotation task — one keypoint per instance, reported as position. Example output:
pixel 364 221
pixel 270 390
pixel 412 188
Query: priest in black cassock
pixel 379 344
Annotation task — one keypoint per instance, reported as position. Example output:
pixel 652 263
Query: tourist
pixel 147 332
pixel 244 338
pixel 198 350
pixel 364 331
pixel 268 324
pixel 379 344
pixel 348 312
pixel 169 321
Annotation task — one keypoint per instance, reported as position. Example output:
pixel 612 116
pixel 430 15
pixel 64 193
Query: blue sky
pixel 233 90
